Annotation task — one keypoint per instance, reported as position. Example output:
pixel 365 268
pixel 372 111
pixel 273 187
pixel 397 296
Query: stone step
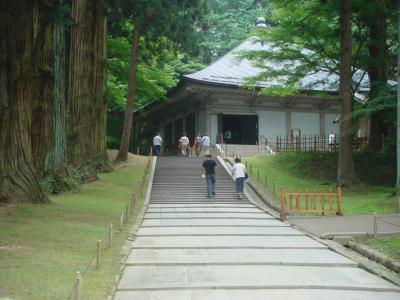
pixel 244 241
pixel 255 293
pixel 212 222
pixel 196 230
pixel 232 210
pixel 301 257
pixel 206 215
pixel 157 277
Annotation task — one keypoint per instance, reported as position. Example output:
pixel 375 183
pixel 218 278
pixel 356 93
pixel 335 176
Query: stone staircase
pixel 178 180
pixel 189 247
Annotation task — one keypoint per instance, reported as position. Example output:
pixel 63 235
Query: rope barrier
pixel 106 237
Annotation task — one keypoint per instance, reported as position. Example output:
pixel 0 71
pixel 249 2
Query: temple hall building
pixel 213 100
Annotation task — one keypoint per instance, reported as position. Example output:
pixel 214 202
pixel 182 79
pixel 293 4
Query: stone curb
pixel 253 186
pixel 126 249
pixel 375 256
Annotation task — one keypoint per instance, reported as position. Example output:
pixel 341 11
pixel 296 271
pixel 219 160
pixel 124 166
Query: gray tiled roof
pixel 229 70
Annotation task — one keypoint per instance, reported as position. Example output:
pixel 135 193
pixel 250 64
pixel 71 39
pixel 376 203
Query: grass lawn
pixel 42 246
pixel 307 170
pixel 387 245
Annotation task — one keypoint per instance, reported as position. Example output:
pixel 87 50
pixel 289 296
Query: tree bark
pixel 42 137
pixel 18 180
pixel 127 128
pixel 346 173
pixel 86 90
pixel 398 112
pixel 377 68
pixel 58 162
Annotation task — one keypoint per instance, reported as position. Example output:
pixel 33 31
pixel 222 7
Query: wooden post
pixel 306 198
pixel 330 198
pixel 339 202
pixel 133 200
pixel 283 204
pixel 110 235
pixel 315 200
pixel 375 233
pixel 137 150
pixel 323 202
pixel 126 213
pixel 121 222
pixel 98 254
pixel 151 151
pixel 141 187
pixel 78 286
pixel 298 199
pixel 290 199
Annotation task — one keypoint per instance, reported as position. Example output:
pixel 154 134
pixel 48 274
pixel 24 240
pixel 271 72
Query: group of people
pixel 201 144
pixel 238 174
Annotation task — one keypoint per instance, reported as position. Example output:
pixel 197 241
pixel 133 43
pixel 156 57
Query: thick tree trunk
pixel 126 133
pixel 398 113
pixel 86 90
pixel 42 113
pixel 18 181
pixel 346 174
pixel 58 162
pixel 377 68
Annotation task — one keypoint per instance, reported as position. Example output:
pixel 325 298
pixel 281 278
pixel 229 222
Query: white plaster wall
pixel 200 121
pixel 329 125
pixel 271 124
pixel 308 123
pixel 214 129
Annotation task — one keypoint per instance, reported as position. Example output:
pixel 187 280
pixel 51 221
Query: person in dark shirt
pixel 208 171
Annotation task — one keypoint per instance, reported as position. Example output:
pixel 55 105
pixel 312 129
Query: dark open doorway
pixel 243 129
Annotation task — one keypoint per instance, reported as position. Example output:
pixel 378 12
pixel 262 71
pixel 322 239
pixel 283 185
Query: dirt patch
pixel 12 248
pixel 133 160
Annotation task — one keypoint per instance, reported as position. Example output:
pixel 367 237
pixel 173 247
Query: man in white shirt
pixel 331 140
pixel 205 140
pixel 157 141
pixel 184 143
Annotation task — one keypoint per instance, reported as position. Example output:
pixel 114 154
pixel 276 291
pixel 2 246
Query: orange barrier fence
pixel 310 201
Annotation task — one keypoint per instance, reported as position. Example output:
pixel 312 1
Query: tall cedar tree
pixel 18 94
pixel 86 90
pixel 346 173
pixel 175 19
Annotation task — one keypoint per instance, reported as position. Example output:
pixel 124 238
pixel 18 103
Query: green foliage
pixel 278 91
pixel 308 33
pixel 228 23
pixel 54 184
pixel 159 68
pixel 388 245
pixel 385 103
pixel 72 178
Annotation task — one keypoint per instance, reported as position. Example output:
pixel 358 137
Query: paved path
pixel 192 248
pixel 360 225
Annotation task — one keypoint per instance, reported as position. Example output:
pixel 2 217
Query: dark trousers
pixel 157 150
pixel 210 181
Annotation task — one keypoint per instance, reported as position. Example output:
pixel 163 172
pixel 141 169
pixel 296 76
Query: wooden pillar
pixel 288 123
pixel 322 123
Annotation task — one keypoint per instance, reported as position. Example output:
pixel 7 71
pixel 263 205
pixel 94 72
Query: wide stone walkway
pixel 190 247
